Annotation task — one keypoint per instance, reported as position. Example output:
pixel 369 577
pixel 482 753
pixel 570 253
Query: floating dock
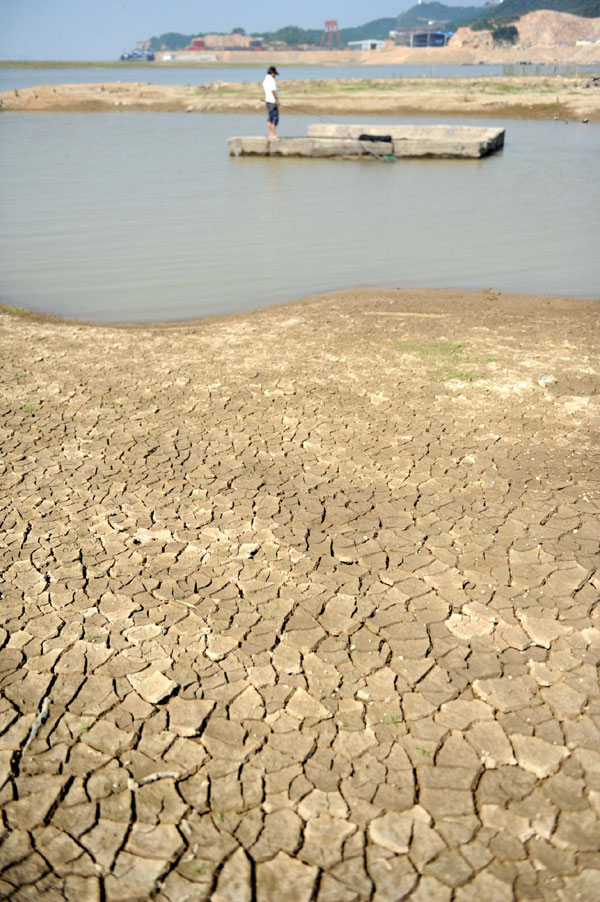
pixel 377 141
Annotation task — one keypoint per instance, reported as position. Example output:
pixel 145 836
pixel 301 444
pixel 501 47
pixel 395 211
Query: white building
pixel 366 45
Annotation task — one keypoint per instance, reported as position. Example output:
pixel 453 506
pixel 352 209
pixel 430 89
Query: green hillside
pixel 293 35
pixel 453 17
pixel 378 28
pixel 495 17
pixel 417 16
pixel 589 9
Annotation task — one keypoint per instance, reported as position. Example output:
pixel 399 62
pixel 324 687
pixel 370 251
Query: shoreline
pixel 469 296
pixel 530 300
pixel 534 97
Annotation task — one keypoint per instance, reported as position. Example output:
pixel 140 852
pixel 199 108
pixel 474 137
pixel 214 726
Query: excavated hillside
pixel 541 28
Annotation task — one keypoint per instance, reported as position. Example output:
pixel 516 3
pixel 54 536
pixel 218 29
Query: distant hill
pixel 589 9
pixel 493 17
pixel 417 16
pixel 289 34
pixel 378 28
pixel 539 28
pixel 450 17
pixel 293 35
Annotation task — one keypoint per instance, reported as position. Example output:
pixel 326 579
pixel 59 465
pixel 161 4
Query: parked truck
pixel 138 56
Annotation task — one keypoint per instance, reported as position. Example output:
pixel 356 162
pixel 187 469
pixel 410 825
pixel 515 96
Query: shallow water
pixel 144 216
pixel 17 79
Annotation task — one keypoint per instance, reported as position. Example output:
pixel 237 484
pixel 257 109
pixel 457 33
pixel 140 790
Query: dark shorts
pixel 272 113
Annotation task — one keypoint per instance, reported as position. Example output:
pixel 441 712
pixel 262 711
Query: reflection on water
pixel 11 79
pixel 144 216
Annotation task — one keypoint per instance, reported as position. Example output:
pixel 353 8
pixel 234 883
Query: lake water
pixel 17 79
pixel 144 216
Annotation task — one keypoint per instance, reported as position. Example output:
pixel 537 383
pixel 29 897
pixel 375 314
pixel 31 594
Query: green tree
pixel 293 36
pixel 506 34
pixel 172 40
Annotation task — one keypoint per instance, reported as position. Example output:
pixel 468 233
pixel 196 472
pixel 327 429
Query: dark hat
pixel 273 70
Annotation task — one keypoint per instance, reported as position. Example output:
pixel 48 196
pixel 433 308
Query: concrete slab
pixel 422 140
pixel 307 147
pixel 328 140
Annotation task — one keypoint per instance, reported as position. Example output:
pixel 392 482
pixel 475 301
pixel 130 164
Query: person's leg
pixel 274 121
pixel 271 119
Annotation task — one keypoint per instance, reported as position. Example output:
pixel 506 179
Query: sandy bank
pixel 542 98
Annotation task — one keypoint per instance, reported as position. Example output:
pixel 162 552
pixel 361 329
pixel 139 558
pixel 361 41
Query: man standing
pixel 272 100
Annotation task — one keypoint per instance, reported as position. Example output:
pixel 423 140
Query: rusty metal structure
pixel 331 32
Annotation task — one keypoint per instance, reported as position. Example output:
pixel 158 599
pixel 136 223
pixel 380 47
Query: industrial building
pixel 366 45
pixel 427 36
pixel 225 42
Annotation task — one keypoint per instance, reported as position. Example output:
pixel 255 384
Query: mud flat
pixel 533 97
pixel 302 603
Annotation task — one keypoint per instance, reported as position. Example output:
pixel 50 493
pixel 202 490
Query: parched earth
pixel 302 604
pixel 527 97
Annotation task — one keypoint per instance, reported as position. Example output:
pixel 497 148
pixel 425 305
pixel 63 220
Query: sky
pixel 103 29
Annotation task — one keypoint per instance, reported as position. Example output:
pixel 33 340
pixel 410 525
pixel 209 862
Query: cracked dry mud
pixel 302 604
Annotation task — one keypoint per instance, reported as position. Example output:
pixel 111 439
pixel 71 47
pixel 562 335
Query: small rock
pixel 546 379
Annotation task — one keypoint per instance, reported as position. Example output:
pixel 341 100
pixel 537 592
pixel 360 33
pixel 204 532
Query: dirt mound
pixel 541 28
pixel 466 37
pixel 547 28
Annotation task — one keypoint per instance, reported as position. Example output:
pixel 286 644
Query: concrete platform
pixel 422 140
pixel 307 147
pixel 323 140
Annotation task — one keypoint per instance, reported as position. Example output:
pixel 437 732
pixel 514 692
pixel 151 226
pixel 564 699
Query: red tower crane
pixel 331 33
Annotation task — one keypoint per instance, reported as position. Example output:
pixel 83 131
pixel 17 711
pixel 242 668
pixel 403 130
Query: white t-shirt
pixel 270 86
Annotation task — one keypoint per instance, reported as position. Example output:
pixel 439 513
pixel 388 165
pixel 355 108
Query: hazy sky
pixel 103 29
